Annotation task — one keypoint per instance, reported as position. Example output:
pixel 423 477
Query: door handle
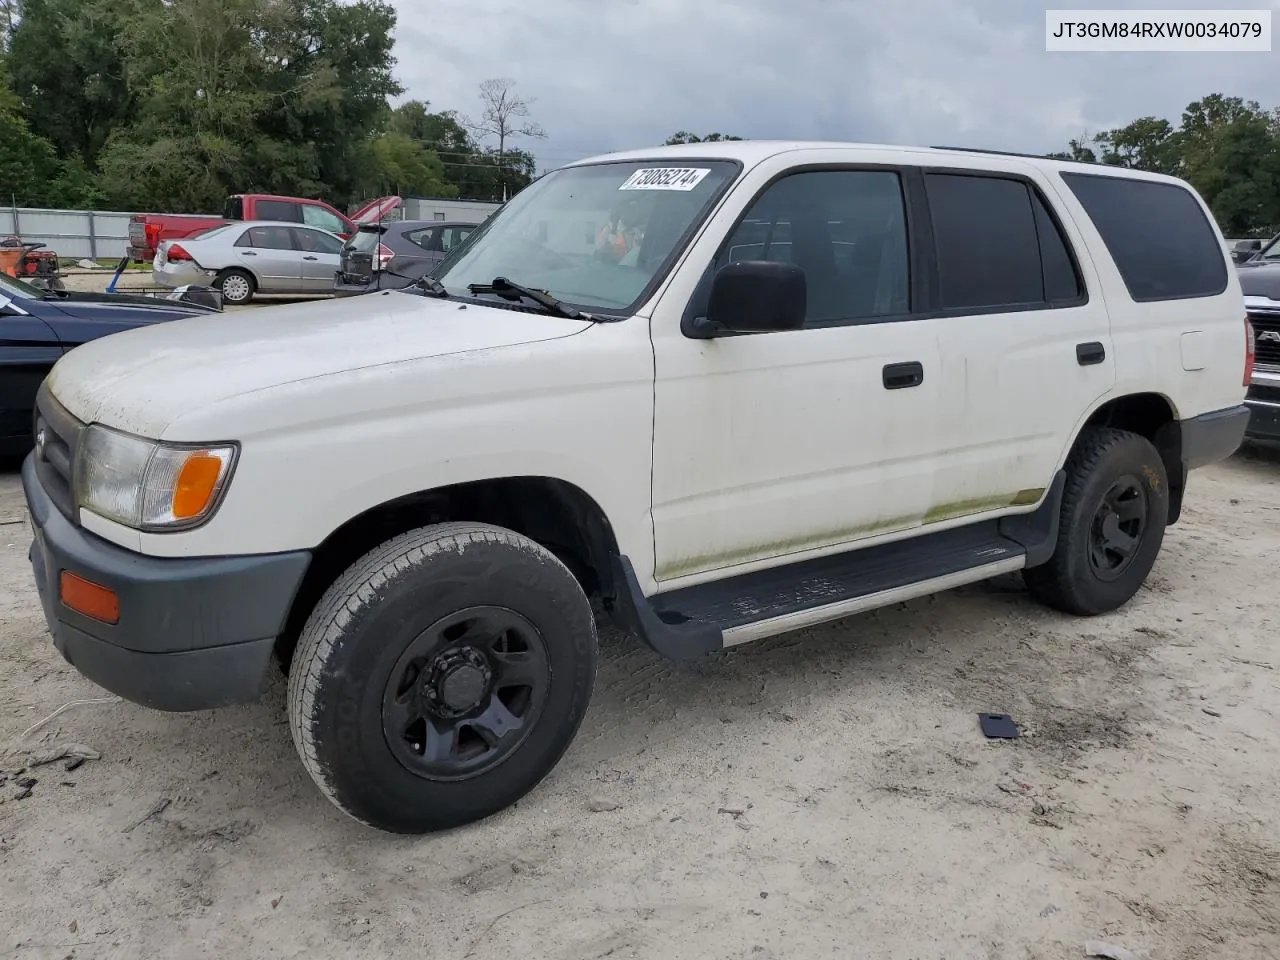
pixel 1087 354
pixel 899 375
pixel 310 258
pixel 247 253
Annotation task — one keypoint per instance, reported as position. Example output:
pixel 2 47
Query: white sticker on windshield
pixel 665 178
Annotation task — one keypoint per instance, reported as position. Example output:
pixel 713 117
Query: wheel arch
pixel 555 513
pixel 241 268
pixel 1149 414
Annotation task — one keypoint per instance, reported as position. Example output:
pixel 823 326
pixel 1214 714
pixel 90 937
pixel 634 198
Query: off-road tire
pixel 251 286
pixel 369 619
pixel 1102 458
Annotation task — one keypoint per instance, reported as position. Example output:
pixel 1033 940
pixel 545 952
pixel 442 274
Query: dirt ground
pixel 826 793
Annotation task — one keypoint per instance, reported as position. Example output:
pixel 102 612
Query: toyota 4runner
pixel 723 390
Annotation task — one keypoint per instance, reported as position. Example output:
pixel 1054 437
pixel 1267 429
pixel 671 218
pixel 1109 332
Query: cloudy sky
pixel 618 74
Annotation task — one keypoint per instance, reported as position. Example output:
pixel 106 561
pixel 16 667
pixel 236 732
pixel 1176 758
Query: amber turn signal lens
pixel 91 599
pixel 197 481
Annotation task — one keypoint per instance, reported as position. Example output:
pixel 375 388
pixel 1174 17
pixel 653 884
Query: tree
pixel 1226 147
pixel 684 136
pixel 282 96
pixel 69 71
pixel 1077 150
pixel 31 174
pixel 504 114
pixel 476 172
pixel 402 165
pixel 1145 144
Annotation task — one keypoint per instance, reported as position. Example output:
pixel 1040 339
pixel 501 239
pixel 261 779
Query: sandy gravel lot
pixel 825 793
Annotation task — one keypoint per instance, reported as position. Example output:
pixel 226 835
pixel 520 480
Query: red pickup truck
pixel 147 230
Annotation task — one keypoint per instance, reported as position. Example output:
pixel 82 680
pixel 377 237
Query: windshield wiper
pixel 514 291
pixel 431 287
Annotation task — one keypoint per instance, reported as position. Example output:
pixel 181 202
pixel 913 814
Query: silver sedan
pixel 247 258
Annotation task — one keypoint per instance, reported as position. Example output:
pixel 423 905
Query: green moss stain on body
pixel 688 566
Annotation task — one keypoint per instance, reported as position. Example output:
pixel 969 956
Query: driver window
pixel 845 228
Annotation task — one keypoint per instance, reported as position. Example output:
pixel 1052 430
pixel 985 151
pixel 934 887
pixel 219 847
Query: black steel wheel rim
pixel 466 693
pixel 1117 529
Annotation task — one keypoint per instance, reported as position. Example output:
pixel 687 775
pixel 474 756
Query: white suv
pixel 727 390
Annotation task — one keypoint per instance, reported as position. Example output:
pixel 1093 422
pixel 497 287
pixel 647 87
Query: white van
pixel 726 390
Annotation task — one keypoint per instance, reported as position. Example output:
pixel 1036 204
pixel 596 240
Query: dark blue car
pixel 38 326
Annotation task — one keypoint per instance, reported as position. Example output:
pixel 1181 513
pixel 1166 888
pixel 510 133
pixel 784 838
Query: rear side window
pixel 278 210
pixel 428 239
pixel 269 238
pixel 1157 234
pixel 998 246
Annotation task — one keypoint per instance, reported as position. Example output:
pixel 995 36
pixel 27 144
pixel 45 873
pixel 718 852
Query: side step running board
pixel 692 621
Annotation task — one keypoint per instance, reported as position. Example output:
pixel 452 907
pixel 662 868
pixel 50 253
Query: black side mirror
pixel 757 296
pixel 1245 249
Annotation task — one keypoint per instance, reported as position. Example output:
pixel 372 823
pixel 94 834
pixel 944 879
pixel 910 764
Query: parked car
pixel 148 231
pixel 38 326
pixel 414 499
pixel 245 259
pixel 1263 399
pixel 393 255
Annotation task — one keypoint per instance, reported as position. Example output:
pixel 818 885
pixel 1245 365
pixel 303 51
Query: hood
pixel 143 379
pixel 376 210
pixel 1260 278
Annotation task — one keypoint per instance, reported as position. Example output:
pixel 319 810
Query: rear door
pixel 321 257
pixel 1023 333
pixel 271 254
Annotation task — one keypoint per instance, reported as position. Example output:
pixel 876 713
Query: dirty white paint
pixel 734 453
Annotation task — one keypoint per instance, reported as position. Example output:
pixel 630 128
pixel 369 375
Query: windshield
pixel 17 290
pixel 1270 251
pixel 593 236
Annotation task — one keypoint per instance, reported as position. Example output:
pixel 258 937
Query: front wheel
pixel 1114 510
pixel 442 677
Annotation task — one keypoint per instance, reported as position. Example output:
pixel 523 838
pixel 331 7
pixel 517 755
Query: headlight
pixel 149 484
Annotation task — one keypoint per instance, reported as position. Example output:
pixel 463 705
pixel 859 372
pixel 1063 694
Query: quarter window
pixel 845 228
pixel 1157 234
pixel 997 245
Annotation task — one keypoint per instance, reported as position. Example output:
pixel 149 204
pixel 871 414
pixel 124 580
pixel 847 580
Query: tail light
pixel 178 254
pixel 152 231
pixel 1250 352
pixel 385 256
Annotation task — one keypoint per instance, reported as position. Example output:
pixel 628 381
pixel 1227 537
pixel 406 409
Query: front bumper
pixel 1263 402
pixel 193 633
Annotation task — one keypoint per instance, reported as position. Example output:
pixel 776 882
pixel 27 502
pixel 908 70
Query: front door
pixel 768 446
pixel 321 254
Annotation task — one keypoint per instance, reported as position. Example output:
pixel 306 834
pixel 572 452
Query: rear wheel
pixel 442 677
pixel 236 286
pixel 1114 511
